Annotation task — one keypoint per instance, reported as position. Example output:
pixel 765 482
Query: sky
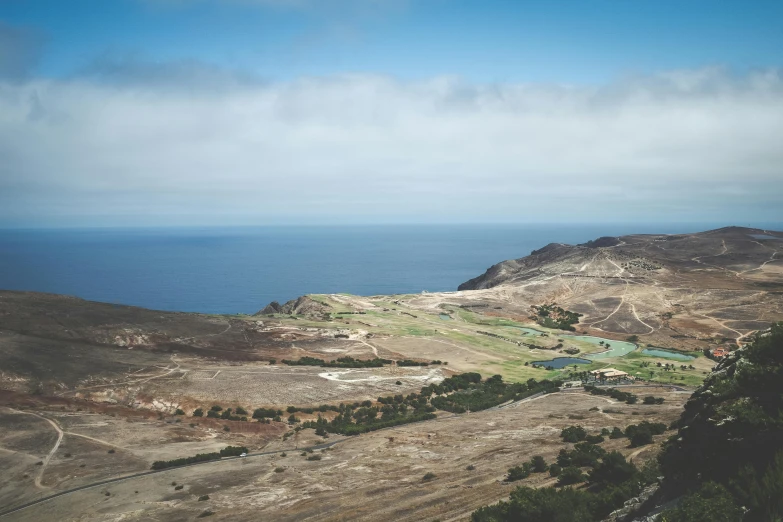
pixel 255 112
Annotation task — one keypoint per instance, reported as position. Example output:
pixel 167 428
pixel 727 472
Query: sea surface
pixel 241 270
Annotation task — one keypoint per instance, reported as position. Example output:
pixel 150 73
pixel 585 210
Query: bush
pixel 594 439
pixel 554 470
pixel 177 488
pixel 616 433
pixel 570 475
pixel 518 472
pixel 279 470
pixel 240 410
pixel 202 498
pixel 110 451
pixel 544 505
pixel 470 467
pixel 573 434
pixel 206 513
pixel 283 454
pixel 613 469
pixel 428 476
pixel 712 502
pixel 314 457
pixel 652 400
pixel 539 465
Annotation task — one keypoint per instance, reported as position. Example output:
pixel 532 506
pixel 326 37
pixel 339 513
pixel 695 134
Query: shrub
pixel 554 470
pixel 206 513
pixel 240 410
pixel 314 457
pixel 216 408
pixel 177 488
pixel 179 412
pixel 594 439
pixel 518 472
pixel 226 428
pixel 279 469
pixel 203 498
pixel 712 502
pixel 570 475
pixel 616 433
pixel 539 464
pixel 470 467
pixel 573 434
pixel 428 476
pixel 283 454
pixel 613 469
pixel 110 451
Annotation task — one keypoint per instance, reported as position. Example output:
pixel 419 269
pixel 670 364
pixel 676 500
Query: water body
pixel 562 362
pixel 657 352
pixel 616 348
pixel 445 317
pixel 240 270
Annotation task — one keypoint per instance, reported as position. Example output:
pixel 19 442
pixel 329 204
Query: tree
pixel 712 502
pixel 570 475
pixel 539 464
pixel 538 505
pixel 573 434
pixel 198 412
pixel 518 472
pixel 613 469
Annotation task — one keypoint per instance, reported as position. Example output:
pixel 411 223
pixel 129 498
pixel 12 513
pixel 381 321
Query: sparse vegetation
pixel 228 451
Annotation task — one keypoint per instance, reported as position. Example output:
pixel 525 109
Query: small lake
pixel 657 352
pixel 616 348
pixel 562 362
pixel 445 317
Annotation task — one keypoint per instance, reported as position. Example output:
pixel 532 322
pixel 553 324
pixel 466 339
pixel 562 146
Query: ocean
pixel 241 270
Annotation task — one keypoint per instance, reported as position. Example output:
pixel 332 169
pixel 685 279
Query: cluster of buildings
pixel 719 353
pixel 610 374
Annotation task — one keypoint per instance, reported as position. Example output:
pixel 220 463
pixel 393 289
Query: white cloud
pixel 681 145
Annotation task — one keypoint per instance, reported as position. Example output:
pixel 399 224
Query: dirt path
pixel 51 453
pixel 633 309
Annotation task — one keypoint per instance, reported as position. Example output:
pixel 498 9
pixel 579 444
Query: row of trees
pixel 460 393
pixel 228 451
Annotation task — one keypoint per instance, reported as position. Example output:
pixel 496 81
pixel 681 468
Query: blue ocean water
pixel 240 270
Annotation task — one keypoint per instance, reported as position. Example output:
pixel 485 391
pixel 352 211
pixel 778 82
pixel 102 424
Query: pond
pixel 562 362
pixel 657 352
pixel 616 348
pixel 445 317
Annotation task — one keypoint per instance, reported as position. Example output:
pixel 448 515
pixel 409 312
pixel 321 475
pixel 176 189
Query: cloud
pixel 20 49
pixel 677 146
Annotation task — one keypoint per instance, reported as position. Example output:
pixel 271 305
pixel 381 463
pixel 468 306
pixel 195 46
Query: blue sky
pixel 145 112
pixel 517 40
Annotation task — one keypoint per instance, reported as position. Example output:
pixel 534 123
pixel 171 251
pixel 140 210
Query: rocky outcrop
pixel 303 305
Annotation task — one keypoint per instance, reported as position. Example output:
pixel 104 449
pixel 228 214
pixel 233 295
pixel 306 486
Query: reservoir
pixel 561 362
pixel 657 352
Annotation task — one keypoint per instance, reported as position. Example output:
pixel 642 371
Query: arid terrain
pixel 91 392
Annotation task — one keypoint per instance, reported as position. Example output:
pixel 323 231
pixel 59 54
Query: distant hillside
pixel 680 252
